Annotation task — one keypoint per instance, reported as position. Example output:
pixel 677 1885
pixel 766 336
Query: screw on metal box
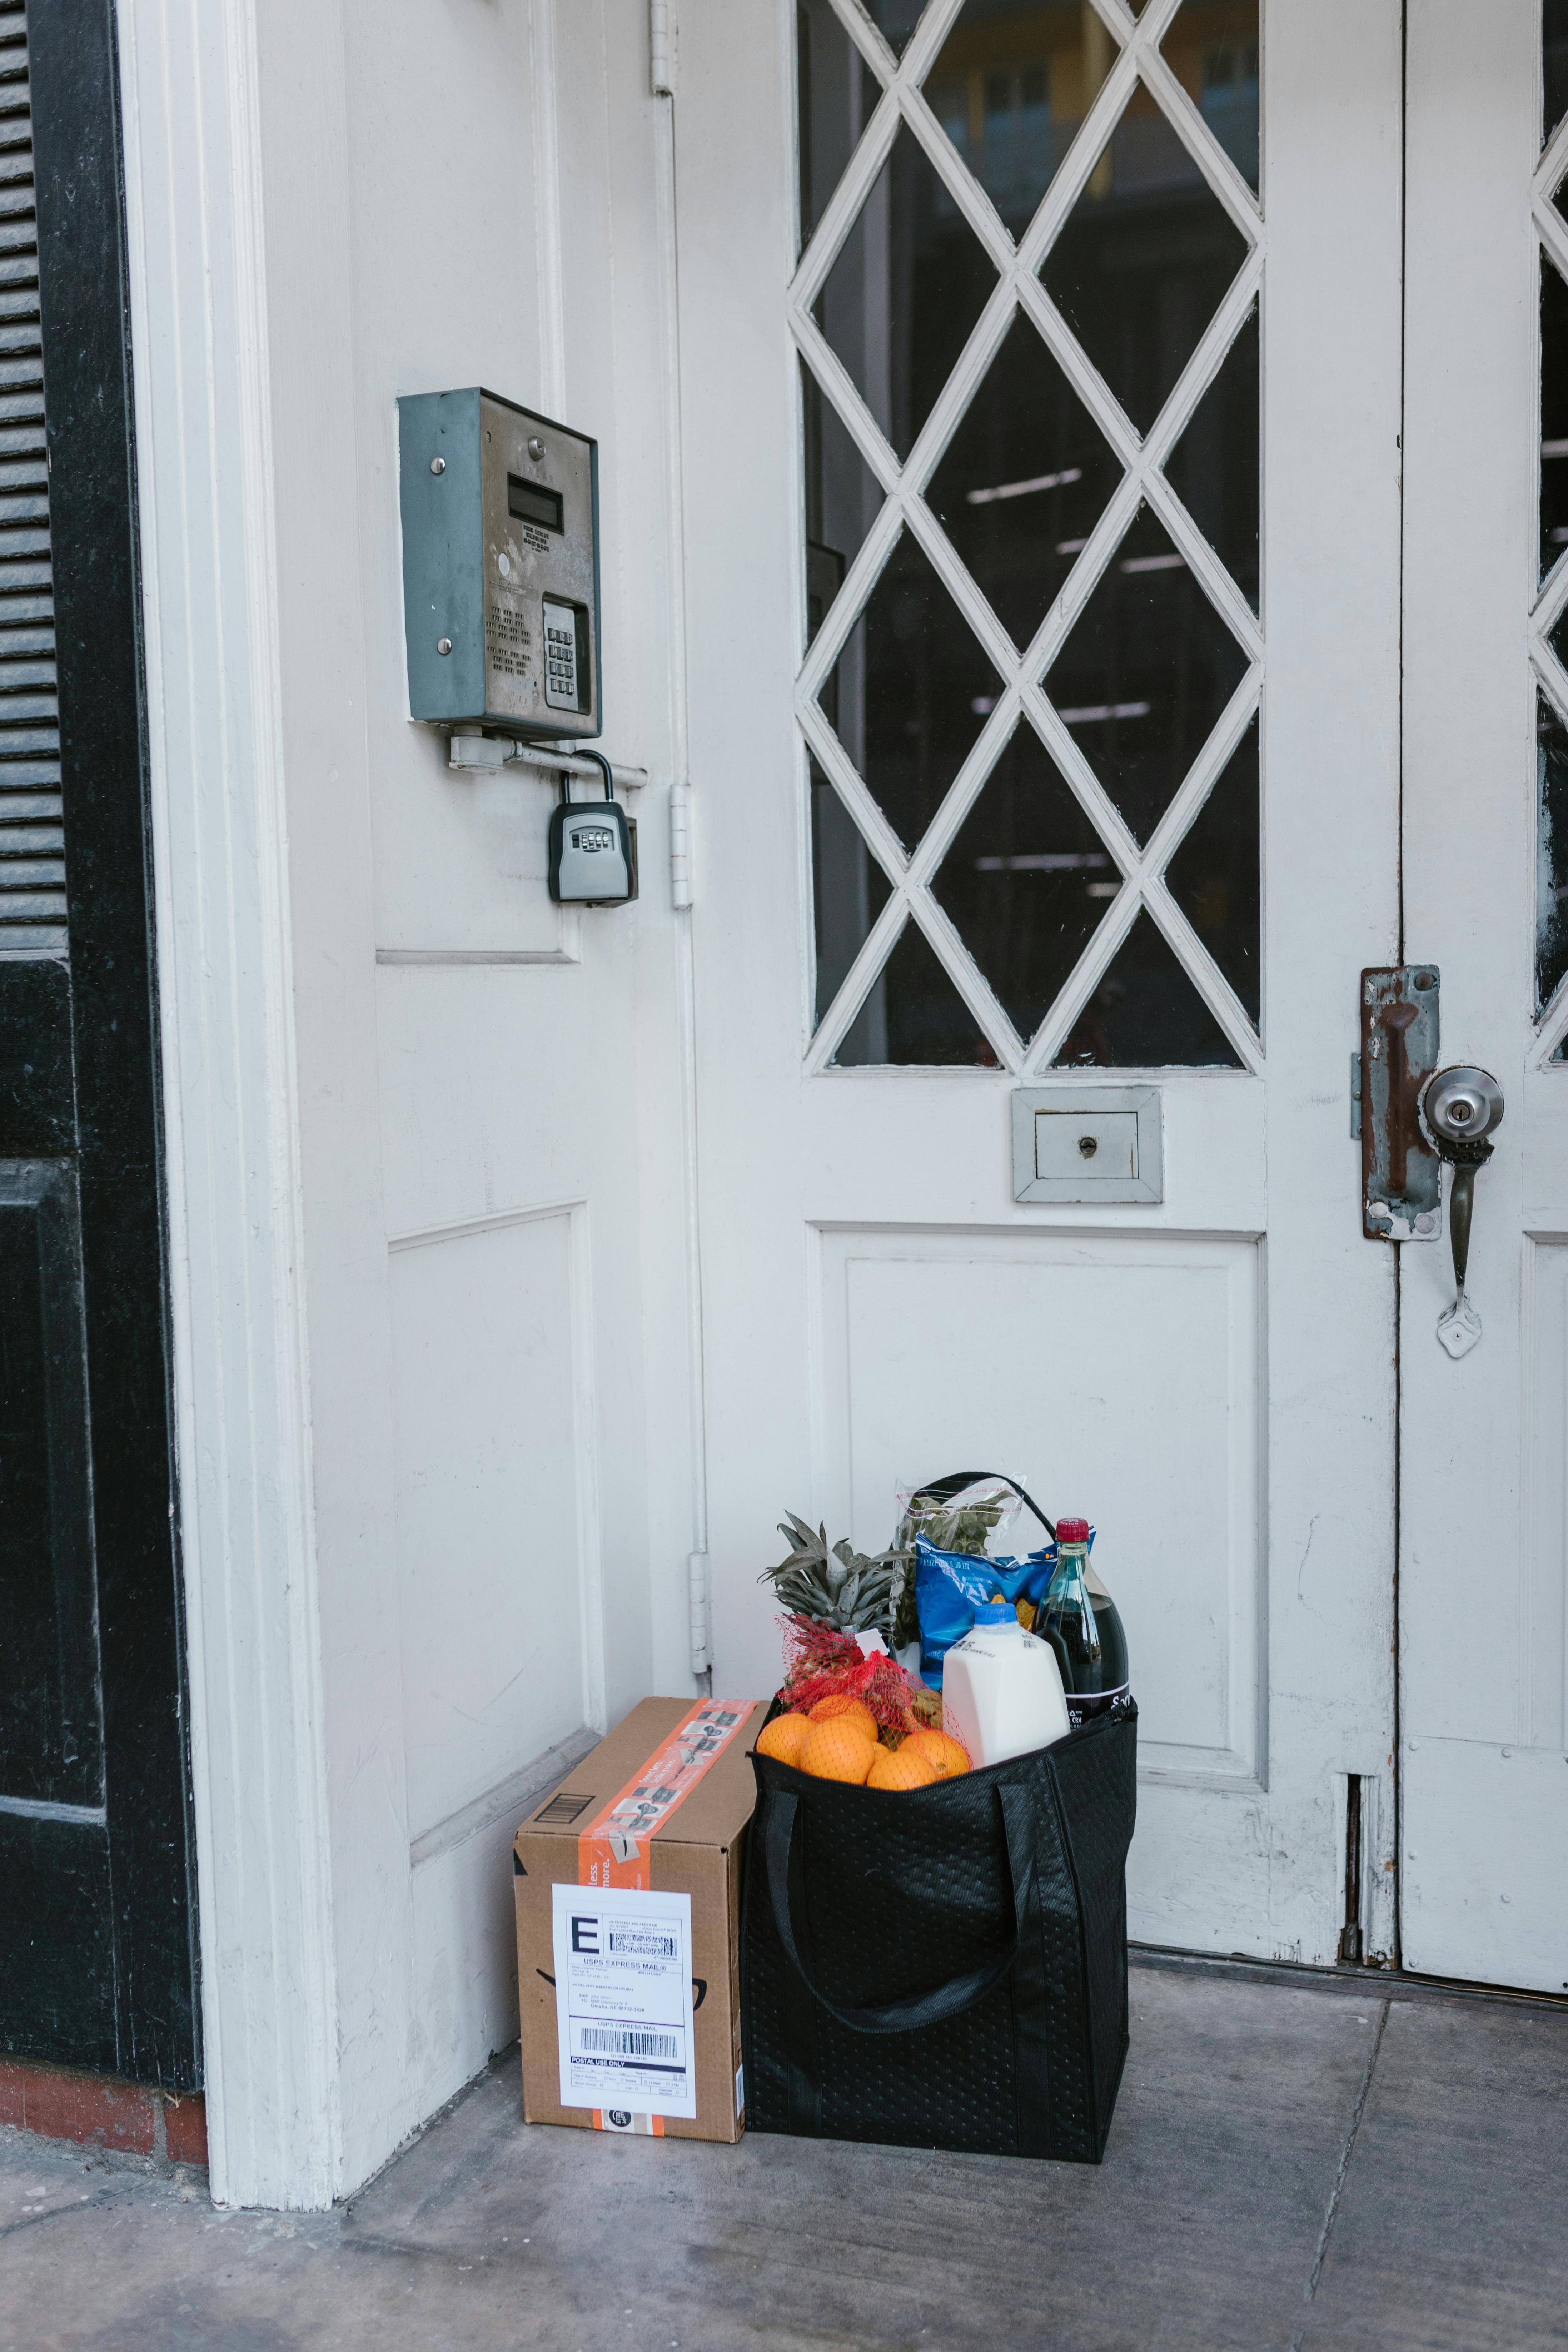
pixel 1461 1105
pixel 438 464
pixel 443 644
pixel 535 447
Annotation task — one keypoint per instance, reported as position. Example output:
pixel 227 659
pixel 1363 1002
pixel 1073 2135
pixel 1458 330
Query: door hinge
pixel 702 1617
pixel 661 36
pixel 680 844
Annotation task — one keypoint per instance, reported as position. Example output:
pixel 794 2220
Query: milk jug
pixel 1002 1690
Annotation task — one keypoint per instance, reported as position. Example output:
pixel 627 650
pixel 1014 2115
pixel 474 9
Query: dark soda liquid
pixel 1084 1674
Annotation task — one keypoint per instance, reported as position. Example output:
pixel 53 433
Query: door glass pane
pixel 1551 852
pixel 1146 255
pixel 1146 1013
pixel 851 891
pixel 895 20
pixel 1010 86
pixel 1553 415
pixel 842 500
pixel 901 299
pixel 1024 481
pixel 1026 881
pixel 1212 48
pixel 1143 261
pixel 1215 874
pixel 915 1014
pixel 1554 61
pixel 1213 468
pixel 1144 674
pixel 913 689
pixel 837 95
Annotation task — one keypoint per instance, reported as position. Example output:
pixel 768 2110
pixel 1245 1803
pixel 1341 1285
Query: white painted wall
pixel 427 1153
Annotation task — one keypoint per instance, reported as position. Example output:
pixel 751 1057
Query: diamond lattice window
pixel 1027 311
pixel 1549 622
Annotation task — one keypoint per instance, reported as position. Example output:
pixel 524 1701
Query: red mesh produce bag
pixel 821 1664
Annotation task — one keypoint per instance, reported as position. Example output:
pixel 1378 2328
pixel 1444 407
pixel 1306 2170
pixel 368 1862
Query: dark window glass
pixel 837 96
pixel 1213 468
pixel 1551 852
pixel 1553 415
pixel 1024 481
pixel 851 891
pixel 1144 674
pixel 1026 881
pixel 1146 1012
pixel 842 500
pixel 895 20
pixel 913 691
pixel 1554 63
pixel 1212 48
pixel 1214 875
pixel 916 1013
pixel 1010 86
pixel 1143 260
pixel 901 299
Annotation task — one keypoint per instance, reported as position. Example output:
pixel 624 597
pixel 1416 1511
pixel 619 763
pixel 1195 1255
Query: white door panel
pixel 1100 1336
pixel 1210 1378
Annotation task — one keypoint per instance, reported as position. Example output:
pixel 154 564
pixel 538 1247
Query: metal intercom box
pixel 501 565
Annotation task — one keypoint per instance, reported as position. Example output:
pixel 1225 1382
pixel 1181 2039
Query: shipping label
pixel 623 2000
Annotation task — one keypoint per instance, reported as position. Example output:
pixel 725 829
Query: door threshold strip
pixel 1362 1984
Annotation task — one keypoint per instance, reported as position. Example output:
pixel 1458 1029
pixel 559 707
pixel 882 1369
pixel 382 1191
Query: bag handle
pixel 942 1490
pixel 949 2000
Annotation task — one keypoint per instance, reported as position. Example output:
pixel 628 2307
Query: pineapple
pixel 850 1591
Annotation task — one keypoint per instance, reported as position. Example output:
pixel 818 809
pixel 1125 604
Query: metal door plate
pixel 1401 1172
pixel 1087 1143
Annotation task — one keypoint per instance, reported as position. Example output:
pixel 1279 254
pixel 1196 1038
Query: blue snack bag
pixel 949 1585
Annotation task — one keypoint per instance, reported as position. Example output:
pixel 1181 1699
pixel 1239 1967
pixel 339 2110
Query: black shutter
pixel 96 1964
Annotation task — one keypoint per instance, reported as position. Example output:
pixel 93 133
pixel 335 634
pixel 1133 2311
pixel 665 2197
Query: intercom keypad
pixel 561 657
pixel 500 546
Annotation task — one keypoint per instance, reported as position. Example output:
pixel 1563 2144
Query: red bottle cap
pixel 1072 1531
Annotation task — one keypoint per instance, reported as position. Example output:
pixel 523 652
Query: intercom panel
pixel 501 565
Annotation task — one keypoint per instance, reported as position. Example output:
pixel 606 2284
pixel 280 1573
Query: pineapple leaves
pixel 852 1591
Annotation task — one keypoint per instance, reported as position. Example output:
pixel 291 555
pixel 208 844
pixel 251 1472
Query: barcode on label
pixel 644 1947
pixel 625 2041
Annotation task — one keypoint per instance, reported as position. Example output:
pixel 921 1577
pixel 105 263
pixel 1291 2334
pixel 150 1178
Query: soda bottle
pixel 1079 1620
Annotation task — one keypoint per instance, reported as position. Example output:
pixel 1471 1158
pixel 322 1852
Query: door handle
pixel 1461 1105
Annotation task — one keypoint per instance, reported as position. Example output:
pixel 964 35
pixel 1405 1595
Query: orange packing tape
pixel 613 1851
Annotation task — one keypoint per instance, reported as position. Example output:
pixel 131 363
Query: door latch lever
pixel 1461 1106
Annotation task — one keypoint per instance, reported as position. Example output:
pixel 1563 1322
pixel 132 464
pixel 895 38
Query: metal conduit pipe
pixel 490 751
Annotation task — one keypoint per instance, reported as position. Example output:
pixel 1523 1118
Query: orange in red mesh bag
pixel 821 1664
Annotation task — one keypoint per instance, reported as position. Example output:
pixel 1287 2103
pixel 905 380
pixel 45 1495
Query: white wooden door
pixel 1046 731
pixel 1484 1510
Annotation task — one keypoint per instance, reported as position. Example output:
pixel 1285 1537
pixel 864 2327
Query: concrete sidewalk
pixel 1291 2167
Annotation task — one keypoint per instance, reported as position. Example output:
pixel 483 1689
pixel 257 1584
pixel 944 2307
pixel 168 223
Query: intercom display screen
pixel 532 502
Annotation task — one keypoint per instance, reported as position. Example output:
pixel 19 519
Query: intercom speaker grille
pixel 32 837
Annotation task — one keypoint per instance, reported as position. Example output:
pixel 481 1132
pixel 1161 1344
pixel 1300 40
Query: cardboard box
pixel 618 1823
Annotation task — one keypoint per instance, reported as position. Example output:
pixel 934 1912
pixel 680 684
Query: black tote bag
pixel 943 1967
